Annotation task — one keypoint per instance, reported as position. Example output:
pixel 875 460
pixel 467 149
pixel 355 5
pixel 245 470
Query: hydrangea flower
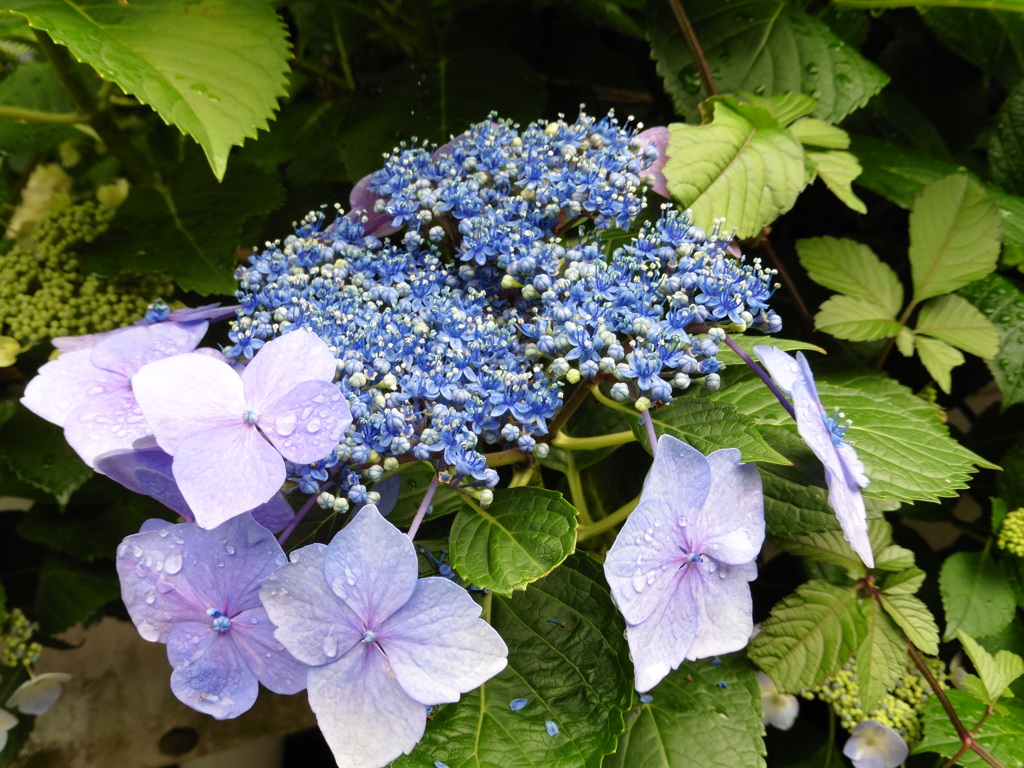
pixel 680 567
pixel 873 745
pixel 36 695
pixel 146 469
pixel 217 423
pixel 382 645
pixel 198 592
pixel 7 721
pixel 88 391
pixel 196 318
pixel 844 472
pixel 780 709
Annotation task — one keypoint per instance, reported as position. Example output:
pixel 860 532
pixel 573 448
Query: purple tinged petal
pixel 253 635
pixel 437 644
pixel 275 514
pixel 224 472
pixel 65 383
pixel 371 566
pixel 780 366
pixel 388 489
pixel 362 199
pixel 185 394
pixel 122 466
pixel 658 137
pixel 284 363
pixel 308 422
pixel 125 353
pixel 107 422
pixel 364 713
pixel 724 610
pixel 732 532
pixel 209 674
pixel 874 745
pixel 659 644
pixel 312 622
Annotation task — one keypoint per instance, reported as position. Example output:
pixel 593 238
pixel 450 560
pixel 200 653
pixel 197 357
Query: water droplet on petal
pixel 330 646
pixel 173 562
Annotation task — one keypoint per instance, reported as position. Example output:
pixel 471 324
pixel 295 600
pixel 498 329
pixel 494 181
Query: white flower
pixel 36 696
pixel 780 709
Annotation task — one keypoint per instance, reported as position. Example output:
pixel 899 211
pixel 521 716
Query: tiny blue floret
pixel 551 727
pixel 516 704
pixel 646 698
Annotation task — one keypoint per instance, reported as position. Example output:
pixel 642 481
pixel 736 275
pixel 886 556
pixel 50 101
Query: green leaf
pixel 85 532
pixel 939 359
pixel 906 582
pixel 592 419
pixel 894 558
pixel 838 170
pixel 691 700
pixel 905 342
pixel 855 319
pixel 1002 302
pixel 765 47
pixel 852 269
pixel 742 166
pixel 1006 144
pixel 991 40
pixel 817 133
pixel 38 454
pixel 577 675
pixel 521 536
pixel 1002 5
pixel 34 85
pixel 976 597
pixel 213 68
pixel 914 618
pixel 1002 735
pixel 955 321
pixel 954 236
pixel 881 657
pixel 786 107
pixel 747 343
pixel 190 229
pixel 892 429
pixel 708 426
pixel 71 591
pixel 996 672
pixel 832 547
pixel 809 635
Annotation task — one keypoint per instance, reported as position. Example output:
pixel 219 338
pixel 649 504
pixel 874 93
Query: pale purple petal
pixel 780 366
pixel 307 423
pixel 86 341
pixel 846 499
pixel 312 622
pixel 724 610
pixel 364 714
pixel 371 566
pixel 731 524
pixel 361 199
pixel 438 645
pixel 657 137
pixel 127 352
pixel 388 489
pixel 659 644
pixel 275 514
pixel 284 363
pixel 253 635
pixel 36 696
pixel 209 674
pixel 185 394
pixel 874 745
pixel 63 384
pixel 679 478
pixel 224 472
pixel 123 466
pixel 108 422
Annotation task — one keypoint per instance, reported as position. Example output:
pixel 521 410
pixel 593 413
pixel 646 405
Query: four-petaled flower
pixel 873 745
pixel 198 591
pixel 779 709
pixel 216 424
pixel 844 472
pixel 382 645
pixel 679 568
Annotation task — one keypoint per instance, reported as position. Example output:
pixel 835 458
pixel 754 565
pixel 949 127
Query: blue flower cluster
pixel 459 331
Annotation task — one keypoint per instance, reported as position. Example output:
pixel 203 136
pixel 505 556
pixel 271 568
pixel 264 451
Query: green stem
pixel 37 116
pixel 506 457
pixel 571 405
pixel 579 499
pixel 521 477
pixel 486 614
pixel 694 45
pixel 585 532
pixel 346 66
pixel 830 746
pixel 570 443
pixel 605 400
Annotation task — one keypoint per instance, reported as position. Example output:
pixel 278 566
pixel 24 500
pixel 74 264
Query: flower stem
pixel 579 499
pixel 764 376
pixel 695 50
pixel 652 438
pixel 575 401
pixel 424 506
pixel 296 520
pixel 38 116
pixel 570 443
pixel 585 532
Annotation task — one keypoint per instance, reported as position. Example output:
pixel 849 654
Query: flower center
pixel 220 623
pixel 837 426
pixel 251 416
pixel 369 637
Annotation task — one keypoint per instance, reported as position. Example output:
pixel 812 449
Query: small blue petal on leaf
pixel 516 704
pixel 551 727
pixel 646 698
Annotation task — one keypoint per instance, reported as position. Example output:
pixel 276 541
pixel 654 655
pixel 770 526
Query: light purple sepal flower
pixel 361 201
pixel 873 745
pixel 88 391
pixel 147 470
pixel 679 568
pixel 186 316
pixel 217 423
pixel 656 137
pixel 382 645
pixel 198 591
pixel 844 472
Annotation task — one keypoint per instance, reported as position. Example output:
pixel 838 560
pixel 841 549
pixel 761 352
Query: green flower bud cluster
pixel 45 292
pixel 16 648
pixel 1011 535
pixel 900 708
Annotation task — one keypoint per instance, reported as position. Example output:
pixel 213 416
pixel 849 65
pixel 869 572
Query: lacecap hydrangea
pixel 495 287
